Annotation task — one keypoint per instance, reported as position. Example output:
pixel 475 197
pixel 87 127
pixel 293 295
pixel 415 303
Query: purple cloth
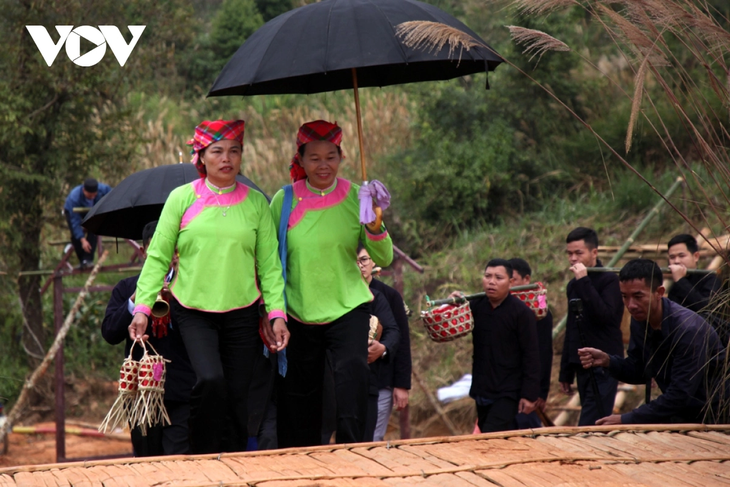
pixel 369 192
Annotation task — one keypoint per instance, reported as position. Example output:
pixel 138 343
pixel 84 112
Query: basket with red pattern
pixel 150 407
pixel 535 299
pixel 448 322
pixel 123 411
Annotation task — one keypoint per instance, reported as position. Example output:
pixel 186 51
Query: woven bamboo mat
pixel 626 455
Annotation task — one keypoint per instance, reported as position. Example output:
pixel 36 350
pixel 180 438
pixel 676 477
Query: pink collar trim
pixel 204 197
pixel 308 201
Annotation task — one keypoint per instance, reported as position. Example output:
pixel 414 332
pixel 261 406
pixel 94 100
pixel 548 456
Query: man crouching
pixel 506 360
pixel 669 343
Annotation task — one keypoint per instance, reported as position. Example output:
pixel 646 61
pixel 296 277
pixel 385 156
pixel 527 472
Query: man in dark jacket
pixel 394 376
pixel 83 196
pixel 521 276
pixel 600 326
pixel 669 343
pixel 506 360
pixel 160 440
pixel 693 291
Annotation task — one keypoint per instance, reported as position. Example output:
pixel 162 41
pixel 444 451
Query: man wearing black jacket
pixel 669 343
pixel 506 360
pixel 600 326
pixel 521 276
pixel 693 291
pixel 170 439
pixel 394 376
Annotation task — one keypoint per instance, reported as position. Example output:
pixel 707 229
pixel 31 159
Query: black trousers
pixel 498 416
pixel 222 348
pixel 300 393
pixel 84 256
pixel 607 387
pixel 172 439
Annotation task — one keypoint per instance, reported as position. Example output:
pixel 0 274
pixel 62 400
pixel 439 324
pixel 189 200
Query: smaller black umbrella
pixel 139 199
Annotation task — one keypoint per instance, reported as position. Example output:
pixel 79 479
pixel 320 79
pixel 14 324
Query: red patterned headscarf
pixel 212 131
pixel 309 132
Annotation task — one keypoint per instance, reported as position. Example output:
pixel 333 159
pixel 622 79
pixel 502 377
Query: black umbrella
pixel 139 199
pixel 341 44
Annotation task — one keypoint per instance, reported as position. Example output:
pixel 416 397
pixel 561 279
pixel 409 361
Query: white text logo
pixel 105 34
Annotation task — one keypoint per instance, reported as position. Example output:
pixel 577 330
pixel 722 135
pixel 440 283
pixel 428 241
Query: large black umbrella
pixel 342 44
pixel 139 199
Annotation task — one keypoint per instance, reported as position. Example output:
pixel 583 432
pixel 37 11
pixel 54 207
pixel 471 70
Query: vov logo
pixel 101 37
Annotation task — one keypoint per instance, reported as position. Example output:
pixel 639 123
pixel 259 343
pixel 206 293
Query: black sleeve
pixel 545 343
pixel 603 308
pixel 402 362
pixel 630 369
pixel 695 296
pixel 530 353
pixel 117 318
pixel 391 334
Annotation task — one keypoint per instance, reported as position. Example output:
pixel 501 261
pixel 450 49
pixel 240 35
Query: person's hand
pixel 613 419
pixel 566 387
pixel 540 404
pixel 678 271
pixel 166 294
pixel 579 270
pixel 458 295
pixel 138 327
pixel 85 244
pixel 375 351
pixel 592 357
pixel 525 406
pixel 374 227
pixel 277 335
pixel 400 398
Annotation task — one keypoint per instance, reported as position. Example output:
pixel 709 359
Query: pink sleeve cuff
pixel 277 313
pixel 376 238
pixel 141 308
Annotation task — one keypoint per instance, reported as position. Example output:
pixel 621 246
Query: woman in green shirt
pixel 326 295
pixel 227 245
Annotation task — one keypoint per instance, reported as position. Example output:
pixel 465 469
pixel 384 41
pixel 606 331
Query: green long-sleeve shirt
pixel 323 279
pixel 225 240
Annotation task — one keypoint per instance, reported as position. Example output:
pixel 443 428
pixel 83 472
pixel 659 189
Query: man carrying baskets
pixel 506 360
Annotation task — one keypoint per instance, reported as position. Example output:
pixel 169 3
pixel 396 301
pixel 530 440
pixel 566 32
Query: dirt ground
pixel 36 449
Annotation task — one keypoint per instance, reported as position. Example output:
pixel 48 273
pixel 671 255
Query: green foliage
pixel 232 24
pixel 273 8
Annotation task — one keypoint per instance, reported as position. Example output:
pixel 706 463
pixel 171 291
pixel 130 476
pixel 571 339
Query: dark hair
pixel 644 269
pixel 91 185
pixel 360 247
pixel 148 232
pixel 588 235
pixel 300 150
pixel 684 238
pixel 521 266
pixel 500 263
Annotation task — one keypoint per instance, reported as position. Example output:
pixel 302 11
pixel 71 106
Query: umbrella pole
pixel 359 125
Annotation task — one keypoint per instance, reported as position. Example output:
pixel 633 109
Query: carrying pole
pixel 359 126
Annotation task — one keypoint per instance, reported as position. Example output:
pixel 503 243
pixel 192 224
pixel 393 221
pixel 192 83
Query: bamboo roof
pixel 627 455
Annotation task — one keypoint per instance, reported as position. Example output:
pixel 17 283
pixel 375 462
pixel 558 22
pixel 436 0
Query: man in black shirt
pixel 521 275
pixel 693 291
pixel 669 343
pixel 600 326
pixel 506 360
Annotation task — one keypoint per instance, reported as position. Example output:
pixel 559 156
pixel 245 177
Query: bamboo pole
pixel 14 414
pixel 359 126
pixel 629 241
pixel 665 270
pixel 469 297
